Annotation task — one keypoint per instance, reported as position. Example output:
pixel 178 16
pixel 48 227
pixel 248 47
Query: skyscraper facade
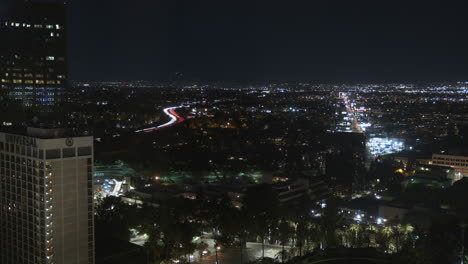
pixel 46 202
pixel 33 47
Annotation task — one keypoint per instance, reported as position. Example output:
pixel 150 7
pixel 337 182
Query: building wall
pixel 459 163
pixel 392 212
pixel 52 199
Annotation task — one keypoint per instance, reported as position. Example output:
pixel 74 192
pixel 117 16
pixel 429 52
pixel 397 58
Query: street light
pixel 216 251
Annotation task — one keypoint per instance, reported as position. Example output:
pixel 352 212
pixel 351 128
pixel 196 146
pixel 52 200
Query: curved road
pixel 174 119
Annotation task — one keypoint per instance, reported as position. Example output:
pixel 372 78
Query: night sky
pixel 268 40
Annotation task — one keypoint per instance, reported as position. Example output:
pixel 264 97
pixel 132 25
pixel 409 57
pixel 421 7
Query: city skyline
pixel 256 132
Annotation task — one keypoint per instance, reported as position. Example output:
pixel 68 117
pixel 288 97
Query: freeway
pixel 173 116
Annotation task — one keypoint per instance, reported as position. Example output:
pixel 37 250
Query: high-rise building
pixel 46 202
pixel 33 48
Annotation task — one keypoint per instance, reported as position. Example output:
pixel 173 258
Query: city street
pixel 228 256
pixel 350 109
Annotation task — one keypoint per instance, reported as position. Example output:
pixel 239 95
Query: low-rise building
pixel 459 163
pixel 292 191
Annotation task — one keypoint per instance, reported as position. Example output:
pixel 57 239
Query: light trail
pixel 355 123
pixel 174 119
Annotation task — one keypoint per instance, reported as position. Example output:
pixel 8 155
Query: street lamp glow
pixel 358 217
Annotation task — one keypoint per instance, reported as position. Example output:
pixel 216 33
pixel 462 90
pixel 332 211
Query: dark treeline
pixel 172 227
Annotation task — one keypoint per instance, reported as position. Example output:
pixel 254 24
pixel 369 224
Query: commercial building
pixel 459 163
pixel 46 200
pixel 409 159
pixel 33 67
pixel 345 166
pixel 291 192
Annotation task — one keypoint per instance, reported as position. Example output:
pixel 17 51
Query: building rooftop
pixel 43 132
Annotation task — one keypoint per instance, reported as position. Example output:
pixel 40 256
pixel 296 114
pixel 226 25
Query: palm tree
pixel 383 236
pixel 352 235
pixel 261 205
pixel 330 221
pixel 301 234
pixel 370 233
pixel 153 246
pixel 241 230
pixel 285 233
pixel 315 235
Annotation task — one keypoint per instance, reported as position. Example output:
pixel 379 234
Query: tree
pixel 329 224
pixel 382 237
pixel 241 221
pixel 113 218
pixel 285 231
pixel 400 236
pixel 226 222
pixel 301 234
pixel 184 237
pixel 353 235
pixel 442 242
pixel 153 247
pixel 315 235
pixel 176 231
pixel 261 205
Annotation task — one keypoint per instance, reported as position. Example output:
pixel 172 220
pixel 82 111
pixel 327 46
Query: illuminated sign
pixel 21 140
